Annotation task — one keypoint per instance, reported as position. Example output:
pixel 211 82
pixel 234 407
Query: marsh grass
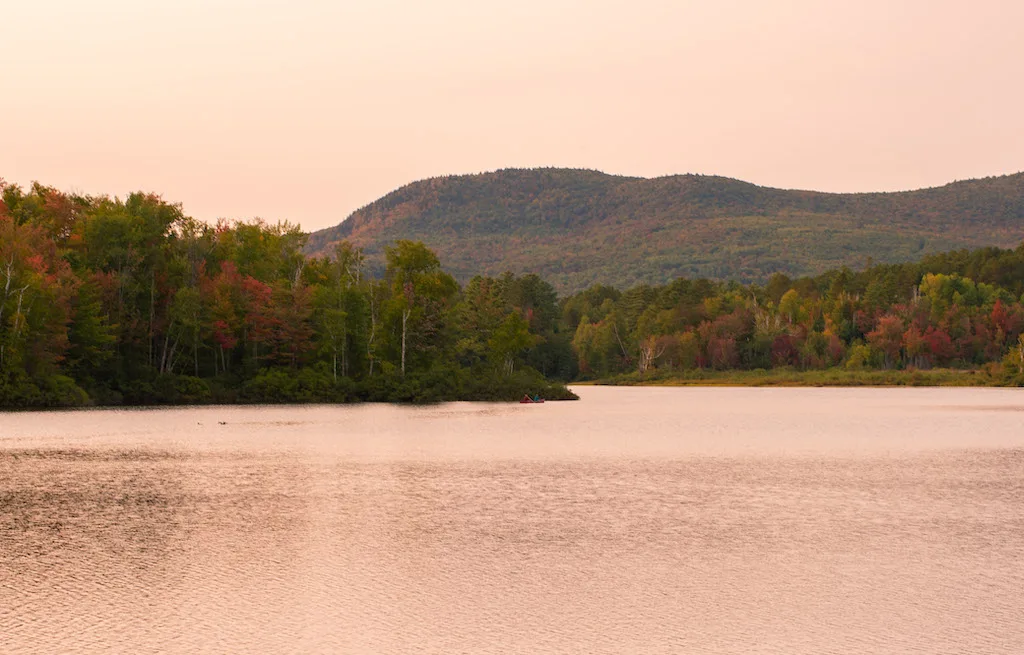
pixel 832 377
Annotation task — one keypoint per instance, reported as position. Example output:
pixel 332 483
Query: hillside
pixel 577 227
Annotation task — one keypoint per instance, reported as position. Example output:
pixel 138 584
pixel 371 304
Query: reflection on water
pixel 636 520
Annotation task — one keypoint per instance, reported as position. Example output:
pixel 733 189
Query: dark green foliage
pixel 434 385
pixel 289 386
pixel 49 391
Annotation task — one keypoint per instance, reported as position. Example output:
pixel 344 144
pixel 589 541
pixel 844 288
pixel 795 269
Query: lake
pixel 639 520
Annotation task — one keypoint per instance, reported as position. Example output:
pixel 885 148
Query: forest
pixel 107 301
pixel 129 302
pixel 960 311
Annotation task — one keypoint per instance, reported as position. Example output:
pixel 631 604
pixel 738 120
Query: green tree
pixel 509 340
pixel 420 292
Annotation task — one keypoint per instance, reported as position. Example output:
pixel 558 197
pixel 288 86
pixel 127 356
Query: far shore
pixel 835 377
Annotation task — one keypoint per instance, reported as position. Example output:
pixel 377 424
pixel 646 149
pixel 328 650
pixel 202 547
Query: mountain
pixel 577 228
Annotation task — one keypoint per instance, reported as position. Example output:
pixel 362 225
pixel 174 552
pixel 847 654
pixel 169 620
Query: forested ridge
pixel 126 302
pixel 576 228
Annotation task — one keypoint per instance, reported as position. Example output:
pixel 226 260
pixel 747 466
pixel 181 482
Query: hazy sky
pixel 307 109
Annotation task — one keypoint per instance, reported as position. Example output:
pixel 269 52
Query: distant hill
pixel 576 228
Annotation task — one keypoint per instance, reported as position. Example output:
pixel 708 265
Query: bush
pixel 61 391
pixel 182 389
pixel 271 386
pixel 490 385
pixel 307 385
pixel 53 391
pixel 859 358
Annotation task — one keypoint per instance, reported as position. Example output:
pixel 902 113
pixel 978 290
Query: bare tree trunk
pixel 373 329
pixel 7 287
pixel 344 356
pixel 152 312
pixel 172 358
pixel 17 312
pixel 163 354
pixel 622 347
pixel 649 353
pixel 405 320
pixel 17 319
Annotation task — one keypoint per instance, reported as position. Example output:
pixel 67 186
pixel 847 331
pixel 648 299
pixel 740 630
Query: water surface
pixel 774 521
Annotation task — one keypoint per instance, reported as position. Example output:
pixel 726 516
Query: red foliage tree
pixel 887 337
pixel 785 350
pixel 939 345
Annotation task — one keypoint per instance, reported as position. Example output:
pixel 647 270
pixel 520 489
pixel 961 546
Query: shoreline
pixel 813 378
pixel 241 404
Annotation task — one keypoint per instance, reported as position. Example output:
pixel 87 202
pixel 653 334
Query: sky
pixel 305 110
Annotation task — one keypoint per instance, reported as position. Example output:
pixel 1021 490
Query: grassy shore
pixel 833 377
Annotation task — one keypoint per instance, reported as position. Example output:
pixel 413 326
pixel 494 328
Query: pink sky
pixel 307 109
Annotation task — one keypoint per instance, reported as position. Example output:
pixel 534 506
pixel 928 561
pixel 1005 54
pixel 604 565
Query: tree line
pixel 129 301
pixel 112 301
pixel 961 309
